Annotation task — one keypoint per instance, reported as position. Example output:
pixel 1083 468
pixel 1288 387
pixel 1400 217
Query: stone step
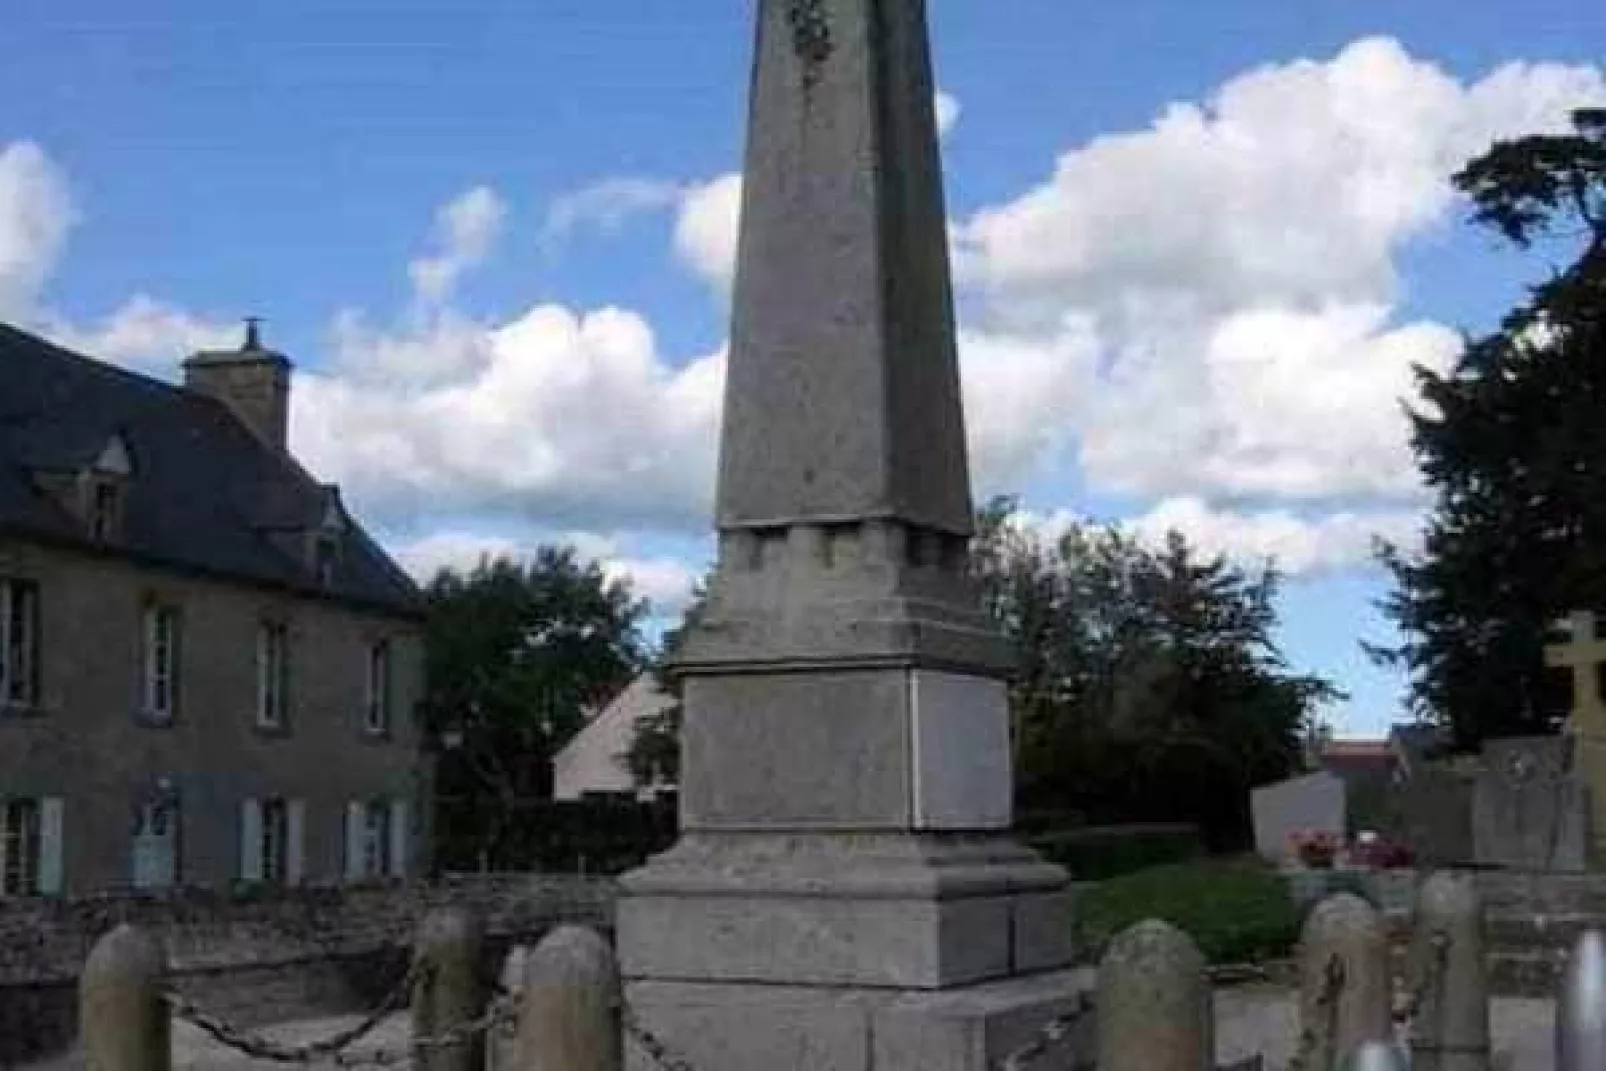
pixel 1533 973
pixel 1519 932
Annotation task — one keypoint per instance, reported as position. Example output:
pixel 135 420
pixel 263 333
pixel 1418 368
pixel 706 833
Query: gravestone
pixel 1529 812
pixel 1432 812
pixel 1583 655
pixel 1313 803
pixel 845 892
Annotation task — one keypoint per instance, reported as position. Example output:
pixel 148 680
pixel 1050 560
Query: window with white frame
pixel 19 642
pixel 159 692
pixel 376 706
pixel 274 844
pixel 376 839
pixel 20 847
pixel 272 831
pixel 377 832
pixel 273 675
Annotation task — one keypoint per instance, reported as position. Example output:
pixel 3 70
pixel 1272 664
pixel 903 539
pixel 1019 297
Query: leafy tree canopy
pixel 1150 685
pixel 518 651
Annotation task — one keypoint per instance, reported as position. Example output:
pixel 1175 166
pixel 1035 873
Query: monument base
pixel 895 911
pixel 735 1027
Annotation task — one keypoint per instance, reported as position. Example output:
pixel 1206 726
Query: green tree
pixel 1150 687
pixel 653 757
pixel 1512 445
pixel 517 653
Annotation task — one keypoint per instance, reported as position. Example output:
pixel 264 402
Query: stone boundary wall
pixel 269 958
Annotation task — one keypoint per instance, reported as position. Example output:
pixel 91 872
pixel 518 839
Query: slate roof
pixel 206 494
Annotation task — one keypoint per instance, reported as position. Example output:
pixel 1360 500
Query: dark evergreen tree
pixel 1513 446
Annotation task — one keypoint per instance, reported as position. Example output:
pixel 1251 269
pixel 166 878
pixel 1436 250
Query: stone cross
pixel 845 892
pixel 1583 654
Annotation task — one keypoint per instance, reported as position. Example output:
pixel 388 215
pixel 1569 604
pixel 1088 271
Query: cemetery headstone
pixel 1528 811
pixel 1312 803
pixel 1431 811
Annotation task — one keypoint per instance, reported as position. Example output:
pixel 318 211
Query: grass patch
pixel 1238 910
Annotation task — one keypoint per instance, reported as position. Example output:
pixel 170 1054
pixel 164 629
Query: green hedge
pixel 1238 910
pixel 1096 853
pixel 606 835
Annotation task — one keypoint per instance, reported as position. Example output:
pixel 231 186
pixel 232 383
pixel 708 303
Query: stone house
pixel 592 762
pixel 208 671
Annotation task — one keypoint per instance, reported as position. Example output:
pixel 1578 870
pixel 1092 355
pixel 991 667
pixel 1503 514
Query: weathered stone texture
pixel 318 951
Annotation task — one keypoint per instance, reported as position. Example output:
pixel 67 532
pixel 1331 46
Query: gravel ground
pixel 1265 1019
pixel 1249 1019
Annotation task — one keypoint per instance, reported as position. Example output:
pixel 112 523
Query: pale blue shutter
pixel 295 823
pixel 400 838
pixel 51 830
pixel 356 821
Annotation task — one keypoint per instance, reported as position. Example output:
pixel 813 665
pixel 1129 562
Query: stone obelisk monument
pixel 845 893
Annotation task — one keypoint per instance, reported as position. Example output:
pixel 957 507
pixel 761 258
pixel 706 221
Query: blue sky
pixel 1197 247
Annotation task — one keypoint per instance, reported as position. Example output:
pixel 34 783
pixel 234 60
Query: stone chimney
pixel 253 381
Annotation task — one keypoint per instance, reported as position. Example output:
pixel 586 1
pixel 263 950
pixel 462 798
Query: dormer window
pixel 325 538
pixel 325 557
pixel 104 488
pixel 105 509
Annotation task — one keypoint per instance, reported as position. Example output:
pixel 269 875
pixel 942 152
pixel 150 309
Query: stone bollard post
pixel 451 991
pixel 1154 1004
pixel 1376 1056
pixel 569 1005
pixel 499 1051
pixel 1343 934
pixel 1451 1029
pixel 1581 1009
pixel 125 1023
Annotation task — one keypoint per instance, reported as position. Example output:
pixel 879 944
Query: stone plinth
pixel 811 1028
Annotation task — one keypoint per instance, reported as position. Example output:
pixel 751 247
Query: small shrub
pixel 1099 852
pixel 1238 910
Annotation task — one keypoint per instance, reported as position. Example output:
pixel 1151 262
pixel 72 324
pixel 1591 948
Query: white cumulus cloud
pixel 148 335
pixel 948 111
pixel 465 232
pixel 1299 545
pixel 1237 261
pixel 557 414
pixel 665 582
pixel 608 204
pixel 36 213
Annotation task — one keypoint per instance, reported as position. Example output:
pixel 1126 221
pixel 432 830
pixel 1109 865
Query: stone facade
pixel 208 671
pixel 88 743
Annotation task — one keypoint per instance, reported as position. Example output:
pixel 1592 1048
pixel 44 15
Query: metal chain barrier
pixel 1409 1004
pixel 650 1043
pixel 258 1047
pixel 1324 1024
pixel 499 1016
pixel 1052 1033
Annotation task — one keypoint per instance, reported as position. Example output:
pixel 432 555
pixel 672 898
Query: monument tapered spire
pixel 843 389
pixel 844 504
